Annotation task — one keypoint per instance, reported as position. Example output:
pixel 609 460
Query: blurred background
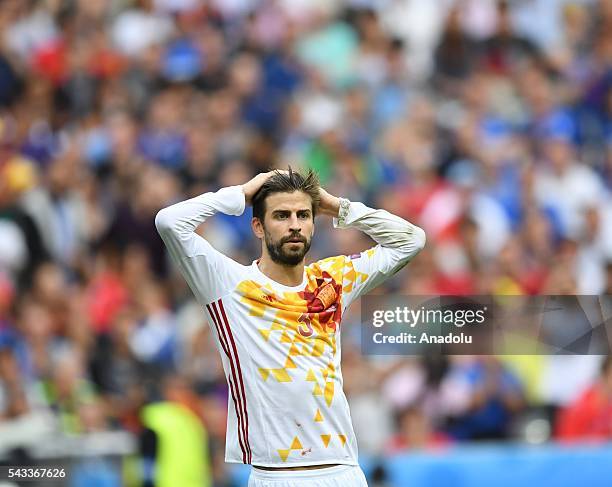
pixel 487 123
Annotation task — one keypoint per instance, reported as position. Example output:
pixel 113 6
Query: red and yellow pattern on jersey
pixel 290 338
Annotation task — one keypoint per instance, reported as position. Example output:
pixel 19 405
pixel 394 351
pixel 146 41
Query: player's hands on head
pixel 329 204
pixel 251 187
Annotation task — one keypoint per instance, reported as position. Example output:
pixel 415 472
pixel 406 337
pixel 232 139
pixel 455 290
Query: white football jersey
pixel 280 345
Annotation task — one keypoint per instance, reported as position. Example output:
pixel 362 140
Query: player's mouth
pixel 296 240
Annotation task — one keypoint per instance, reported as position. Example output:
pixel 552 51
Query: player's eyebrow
pixel 288 212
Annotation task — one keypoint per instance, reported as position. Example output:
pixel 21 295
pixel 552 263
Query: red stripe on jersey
pixel 232 383
pixel 246 416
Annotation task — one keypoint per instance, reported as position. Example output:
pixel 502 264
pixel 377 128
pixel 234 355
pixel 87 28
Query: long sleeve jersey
pixel 280 345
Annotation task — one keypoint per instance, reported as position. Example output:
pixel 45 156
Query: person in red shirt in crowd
pixel 590 416
pixel 415 432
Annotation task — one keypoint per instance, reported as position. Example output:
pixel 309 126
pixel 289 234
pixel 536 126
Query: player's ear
pixel 314 221
pixel 257 227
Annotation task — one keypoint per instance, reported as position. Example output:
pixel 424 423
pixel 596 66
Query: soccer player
pixel 277 322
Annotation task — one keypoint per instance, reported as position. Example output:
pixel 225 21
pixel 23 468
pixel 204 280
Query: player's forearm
pixel 184 217
pixel 384 228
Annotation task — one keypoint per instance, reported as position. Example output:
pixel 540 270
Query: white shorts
pixel 338 476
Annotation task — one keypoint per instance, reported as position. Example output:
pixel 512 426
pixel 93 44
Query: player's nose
pixel 295 224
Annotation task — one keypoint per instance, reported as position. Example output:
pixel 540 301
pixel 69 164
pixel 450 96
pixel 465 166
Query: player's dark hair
pixel 606 365
pixel 281 182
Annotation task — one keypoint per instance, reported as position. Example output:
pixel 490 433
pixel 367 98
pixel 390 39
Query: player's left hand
pixel 329 204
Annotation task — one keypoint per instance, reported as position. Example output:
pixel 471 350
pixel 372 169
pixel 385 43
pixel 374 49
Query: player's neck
pixel 285 275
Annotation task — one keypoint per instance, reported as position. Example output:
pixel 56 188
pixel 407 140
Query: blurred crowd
pixel 487 123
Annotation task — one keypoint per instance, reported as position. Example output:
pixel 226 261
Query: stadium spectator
pixel 589 417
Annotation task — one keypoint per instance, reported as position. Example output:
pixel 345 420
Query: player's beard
pixel 280 252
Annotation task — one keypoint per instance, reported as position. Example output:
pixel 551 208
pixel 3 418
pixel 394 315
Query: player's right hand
pixel 251 187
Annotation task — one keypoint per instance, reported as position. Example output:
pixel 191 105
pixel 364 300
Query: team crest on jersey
pixel 324 301
pixel 327 295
